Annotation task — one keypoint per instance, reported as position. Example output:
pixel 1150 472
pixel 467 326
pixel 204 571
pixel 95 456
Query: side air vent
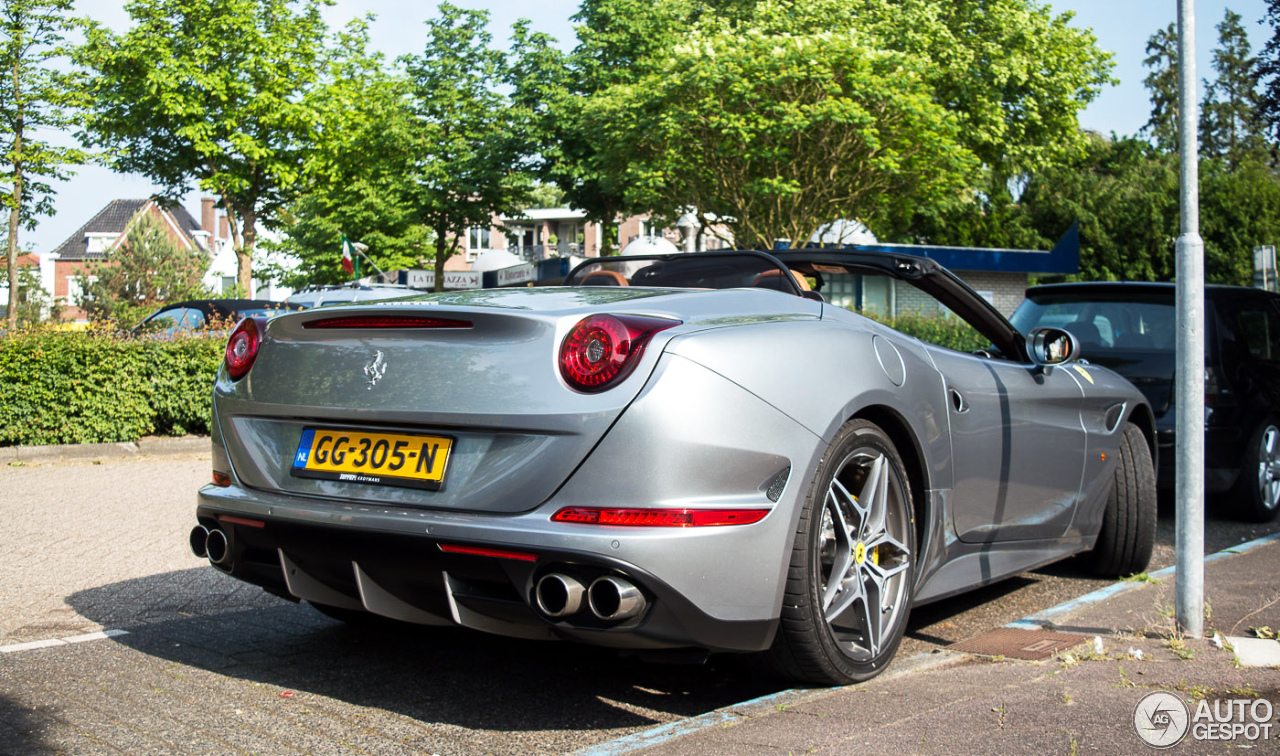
pixel 1112 418
pixel 777 483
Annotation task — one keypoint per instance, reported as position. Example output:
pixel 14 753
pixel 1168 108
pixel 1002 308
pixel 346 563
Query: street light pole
pixel 1189 491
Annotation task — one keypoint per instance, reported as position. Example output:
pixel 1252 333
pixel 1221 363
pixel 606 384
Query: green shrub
pixel 61 387
pixel 950 332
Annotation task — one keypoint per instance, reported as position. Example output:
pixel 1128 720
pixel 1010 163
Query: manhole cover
pixel 1030 645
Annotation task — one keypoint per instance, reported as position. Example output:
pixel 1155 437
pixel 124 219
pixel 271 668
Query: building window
pixel 478 238
pixel 74 292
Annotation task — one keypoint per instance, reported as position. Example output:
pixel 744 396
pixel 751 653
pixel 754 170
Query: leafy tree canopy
pixel 35 98
pixel 468 144
pixel 212 91
pixel 1011 75
pixel 358 179
pixel 1269 74
pixel 1230 126
pixel 1162 84
pixel 779 134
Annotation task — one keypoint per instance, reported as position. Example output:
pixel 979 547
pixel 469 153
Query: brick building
pixel 105 231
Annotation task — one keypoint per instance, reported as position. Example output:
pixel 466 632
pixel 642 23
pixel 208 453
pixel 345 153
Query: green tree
pixel 35 98
pixel 359 172
pixel 779 135
pixel 148 269
pixel 617 41
pixel 545 195
pixel 1269 75
pixel 1124 192
pixel 1230 126
pixel 34 305
pixel 983 60
pixel 469 150
pixel 1239 210
pixel 211 90
pixel 1162 83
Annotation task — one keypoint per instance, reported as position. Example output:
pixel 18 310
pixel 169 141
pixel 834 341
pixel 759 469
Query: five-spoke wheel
pixel 852 567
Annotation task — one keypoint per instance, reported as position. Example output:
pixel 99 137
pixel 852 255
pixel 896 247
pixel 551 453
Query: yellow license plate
pixel 389 459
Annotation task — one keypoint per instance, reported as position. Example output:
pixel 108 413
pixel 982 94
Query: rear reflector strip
pixel 482 551
pixel 661 518
pixel 242 521
pixel 387 321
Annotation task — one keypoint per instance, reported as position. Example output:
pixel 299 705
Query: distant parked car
pixel 319 296
pixel 212 315
pixel 1130 328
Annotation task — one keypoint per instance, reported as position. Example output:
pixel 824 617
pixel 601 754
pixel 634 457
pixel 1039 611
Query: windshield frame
pixel 772 261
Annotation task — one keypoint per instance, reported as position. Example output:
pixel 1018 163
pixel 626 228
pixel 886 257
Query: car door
pixel 1018 446
pixel 1254 367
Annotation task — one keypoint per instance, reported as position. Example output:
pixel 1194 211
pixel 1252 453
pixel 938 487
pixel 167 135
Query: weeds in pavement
pixel 1140 577
pixel 1178 645
pixel 1274 600
pixel 1197 692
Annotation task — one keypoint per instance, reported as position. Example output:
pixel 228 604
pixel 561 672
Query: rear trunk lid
pixel 515 431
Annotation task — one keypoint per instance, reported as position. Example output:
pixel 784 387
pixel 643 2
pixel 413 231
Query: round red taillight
pixel 242 348
pixel 602 349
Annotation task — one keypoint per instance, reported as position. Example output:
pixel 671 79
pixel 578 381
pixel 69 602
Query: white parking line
pixel 51 642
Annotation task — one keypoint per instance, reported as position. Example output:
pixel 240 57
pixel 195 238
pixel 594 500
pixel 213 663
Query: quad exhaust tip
pixel 216 547
pixel 199 539
pixel 612 598
pixel 559 595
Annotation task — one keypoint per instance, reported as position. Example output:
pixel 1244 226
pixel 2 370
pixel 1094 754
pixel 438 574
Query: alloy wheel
pixel 864 554
pixel 1269 467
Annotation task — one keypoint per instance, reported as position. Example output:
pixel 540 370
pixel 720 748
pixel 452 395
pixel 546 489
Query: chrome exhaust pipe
pixel 198 539
pixel 216 547
pixel 558 595
pixel 613 598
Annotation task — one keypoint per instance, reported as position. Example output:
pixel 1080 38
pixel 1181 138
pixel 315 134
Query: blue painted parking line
pixel 756 707
pixel 728 715
pixel 1040 619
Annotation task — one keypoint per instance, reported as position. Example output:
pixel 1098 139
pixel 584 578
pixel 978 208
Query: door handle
pixel 957 401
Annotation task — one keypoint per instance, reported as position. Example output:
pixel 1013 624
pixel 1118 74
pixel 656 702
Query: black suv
pixel 1130 328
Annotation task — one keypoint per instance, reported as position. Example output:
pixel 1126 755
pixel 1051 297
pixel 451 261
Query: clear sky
pixel 1121 26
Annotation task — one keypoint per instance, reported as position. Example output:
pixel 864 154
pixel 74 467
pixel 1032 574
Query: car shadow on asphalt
pixel 441 675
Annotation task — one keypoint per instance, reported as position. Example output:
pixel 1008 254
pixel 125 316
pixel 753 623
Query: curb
pixel 1047 618
pixel 756 707
pixel 728 715
pixel 56 452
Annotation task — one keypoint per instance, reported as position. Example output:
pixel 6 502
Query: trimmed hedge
pixel 952 333
pixel 74 388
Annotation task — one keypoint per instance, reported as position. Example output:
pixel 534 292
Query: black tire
pixel 1129 522
pixel 1256 494
pixel 852 644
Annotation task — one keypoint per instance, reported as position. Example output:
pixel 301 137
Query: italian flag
pixel 347 263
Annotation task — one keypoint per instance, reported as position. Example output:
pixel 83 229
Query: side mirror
pixel 1052 346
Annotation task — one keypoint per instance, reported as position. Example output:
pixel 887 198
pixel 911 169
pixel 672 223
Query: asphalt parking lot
pixel 209 665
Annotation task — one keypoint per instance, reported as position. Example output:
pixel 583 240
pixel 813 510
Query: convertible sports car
pixel 670 452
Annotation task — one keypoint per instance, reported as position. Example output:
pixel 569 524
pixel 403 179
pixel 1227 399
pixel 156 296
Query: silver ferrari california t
pixel 670 452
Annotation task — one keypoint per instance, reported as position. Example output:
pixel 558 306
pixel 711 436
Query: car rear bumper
pixel 1223 450
pixel 691 440
pixel 411 577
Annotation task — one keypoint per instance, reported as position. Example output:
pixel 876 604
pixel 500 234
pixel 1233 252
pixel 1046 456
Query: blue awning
pixel 1063 258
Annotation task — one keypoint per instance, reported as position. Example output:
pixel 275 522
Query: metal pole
pixel 1189 548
